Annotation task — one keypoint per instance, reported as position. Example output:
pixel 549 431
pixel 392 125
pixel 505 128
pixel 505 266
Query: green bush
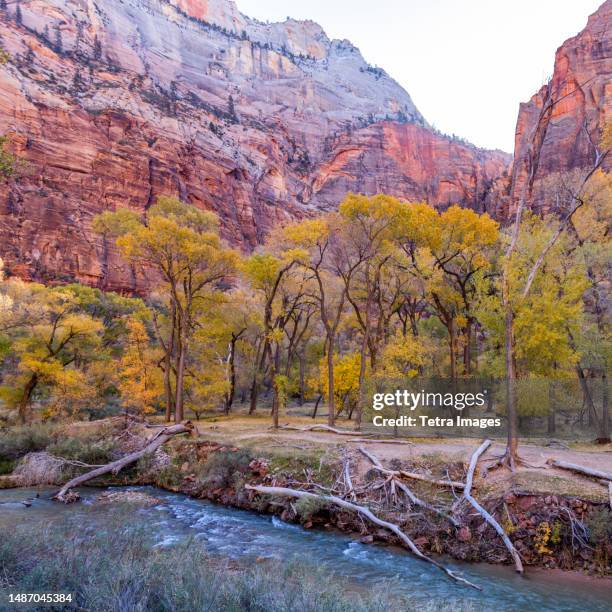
pixel 599 525
pixel 307 507
pixel 223 467
pixel 16 442
pixel 169 477
pixel 7 466
pixel 88 450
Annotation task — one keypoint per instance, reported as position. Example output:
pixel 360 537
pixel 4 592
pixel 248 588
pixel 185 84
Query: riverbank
pixel 551 524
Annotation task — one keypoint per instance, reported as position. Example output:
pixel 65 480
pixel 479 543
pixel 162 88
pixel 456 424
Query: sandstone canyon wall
pixel 581 91
pixel 113 103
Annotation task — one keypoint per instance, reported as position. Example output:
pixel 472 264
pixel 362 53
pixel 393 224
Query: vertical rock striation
pixel 581 89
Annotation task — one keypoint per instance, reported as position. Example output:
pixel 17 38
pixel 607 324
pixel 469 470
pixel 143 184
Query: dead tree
pixel 160 438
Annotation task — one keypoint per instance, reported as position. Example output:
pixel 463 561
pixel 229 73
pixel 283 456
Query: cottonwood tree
pixel 51 340
pixel 284 289
pixel 182 245
pixel 140 379
pixel 363 262
pixel 459 248
pixel 316 244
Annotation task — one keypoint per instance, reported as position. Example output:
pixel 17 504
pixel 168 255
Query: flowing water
pixel 243 536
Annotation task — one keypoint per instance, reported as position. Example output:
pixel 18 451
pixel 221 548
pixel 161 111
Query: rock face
pixel 113 103
pixel 581 88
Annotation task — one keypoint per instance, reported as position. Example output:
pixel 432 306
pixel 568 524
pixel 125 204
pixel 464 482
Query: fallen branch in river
pixel 160 438
pixel 367 513
pixel 573 467
pixel 467 495
pixel 405 489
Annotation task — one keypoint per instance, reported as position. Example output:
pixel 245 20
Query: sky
pixel 467 64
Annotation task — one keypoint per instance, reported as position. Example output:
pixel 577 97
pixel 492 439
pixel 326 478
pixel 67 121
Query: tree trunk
pixel 467 350
pixel 229 398
pixel 254 393
pixel 275 397
pixel 511 409
pixel 588 398
pixel 25 398
pixel 361 394
pixel 316 406
pixel 180 383
pixel 452 345
pixel 331 408
pixel 167 387
pixel 302 390
pixel 552 425
pixel 604 435
pixel 552 408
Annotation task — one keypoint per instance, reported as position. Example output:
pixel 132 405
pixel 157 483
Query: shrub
pixel 6 466
pixel 599 525
pixel 307 507
pixel 88 450
pixel 16 442
pixel 169 477
pixel 222 467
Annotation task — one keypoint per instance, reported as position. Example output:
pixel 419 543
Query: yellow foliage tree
pixel 140 379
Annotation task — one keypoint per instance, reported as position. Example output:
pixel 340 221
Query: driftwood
pixel 160 438
pixel 348 482
pixel 441 483
pixel 340 432
pixel 367 513
pixel 373 441
pixel 564 465
pixel 467 495
pixel 405 489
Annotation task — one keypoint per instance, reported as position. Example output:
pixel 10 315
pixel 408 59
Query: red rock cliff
pixel 581 90
pixel 114 103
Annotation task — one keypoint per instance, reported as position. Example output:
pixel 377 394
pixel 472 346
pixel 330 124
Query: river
pixel 243 536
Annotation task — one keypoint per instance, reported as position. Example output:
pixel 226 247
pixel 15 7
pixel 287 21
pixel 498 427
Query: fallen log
pixel 374 441
pixel 405 489
pixel 467 495
pixel 441 483
pixel 573 467
pixel 160 438
pixel 348 482
pixel 366 512
pixel 340 432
